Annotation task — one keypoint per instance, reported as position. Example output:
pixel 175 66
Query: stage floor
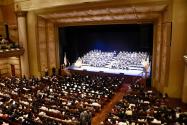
pixel 131 72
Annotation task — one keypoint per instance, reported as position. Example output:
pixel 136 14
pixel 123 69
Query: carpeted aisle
pixel 108 107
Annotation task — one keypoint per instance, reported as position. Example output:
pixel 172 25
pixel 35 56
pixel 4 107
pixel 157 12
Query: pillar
pixel 33 45
pixel 184 92
pixel 22 33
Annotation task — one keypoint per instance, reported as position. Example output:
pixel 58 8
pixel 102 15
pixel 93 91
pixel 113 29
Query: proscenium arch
pixel 159 14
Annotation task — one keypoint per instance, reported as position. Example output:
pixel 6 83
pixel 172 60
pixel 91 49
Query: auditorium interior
pixel 93 62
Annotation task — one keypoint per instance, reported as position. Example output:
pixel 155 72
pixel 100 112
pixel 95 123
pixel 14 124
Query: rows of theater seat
pixel 145 106
pixel 55 100
pixel 114 60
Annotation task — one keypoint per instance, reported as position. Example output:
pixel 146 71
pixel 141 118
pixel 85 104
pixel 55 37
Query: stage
pixel 130 72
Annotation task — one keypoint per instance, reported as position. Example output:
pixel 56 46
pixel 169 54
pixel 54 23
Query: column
pixel 33 45
pixel 184 92
pixel 22 32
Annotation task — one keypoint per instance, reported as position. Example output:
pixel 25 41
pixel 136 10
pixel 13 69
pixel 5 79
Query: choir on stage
pixel 114 60
pixel 98 58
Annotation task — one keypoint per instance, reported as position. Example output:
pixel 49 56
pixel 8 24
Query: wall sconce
pixel 185 58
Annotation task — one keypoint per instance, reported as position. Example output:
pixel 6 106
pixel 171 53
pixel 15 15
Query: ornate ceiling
pixel 137 12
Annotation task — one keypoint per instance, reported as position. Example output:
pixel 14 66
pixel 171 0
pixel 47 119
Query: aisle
pixel 108 107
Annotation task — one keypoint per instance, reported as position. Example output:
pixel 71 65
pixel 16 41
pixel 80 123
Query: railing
pixel 12 52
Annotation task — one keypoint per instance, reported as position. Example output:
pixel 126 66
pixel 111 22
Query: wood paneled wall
pixel 8 16
pixel 42 44
pixel 5 66
pixel 51 45
pixel 1 22
pixel 47 45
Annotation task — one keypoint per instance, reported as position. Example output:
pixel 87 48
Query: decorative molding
pixel 106 11
pixel 120 13
pixel 21 13
pixel 122 17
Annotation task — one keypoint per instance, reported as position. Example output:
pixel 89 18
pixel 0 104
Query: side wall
pixel 178 47
pixel 8 16
pixel 41 44
pixel 47 45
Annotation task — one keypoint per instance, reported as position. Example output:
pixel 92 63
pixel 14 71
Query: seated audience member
pixel 55 99
pixel 46 71
pixel 142 106
pixel 53 71
pixel 83 117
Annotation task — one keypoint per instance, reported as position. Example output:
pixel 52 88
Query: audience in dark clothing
pixel 144 106
pixel 56 99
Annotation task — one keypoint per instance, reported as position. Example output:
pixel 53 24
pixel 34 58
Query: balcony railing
pixel 11 52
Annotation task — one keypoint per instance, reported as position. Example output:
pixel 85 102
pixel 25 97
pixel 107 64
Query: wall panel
pixel 5 66
pixel 42 44
pixel 158 50
pixel 165 53
pixel 51 45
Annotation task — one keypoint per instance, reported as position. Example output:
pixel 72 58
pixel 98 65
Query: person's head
pixel 84 107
